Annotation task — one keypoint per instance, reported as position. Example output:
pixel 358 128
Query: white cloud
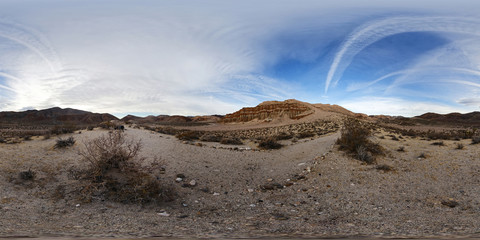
pixel 396 107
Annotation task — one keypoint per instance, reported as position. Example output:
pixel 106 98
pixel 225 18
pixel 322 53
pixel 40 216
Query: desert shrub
pixel 106 125
pixel 401 149
pixel 2 140
pixel 439 143
pixel 355 140
pixel 305 134
pixel 460 146
pixel 63 143
pixel 188 135
pixel 115 172
pixel 210 138
pixel 384 167
pixel 231 141
pixel 27 175
pixel 284 136
pixel 167 130
pixel 27 137
pixel 475 139
pixel 63 129
pixel 90 128
pixel 422 155
pixel 269 143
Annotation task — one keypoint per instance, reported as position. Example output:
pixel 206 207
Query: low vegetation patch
pixel 231 141
pixel 440 143
pixel 188 135
pixel 475 139
pixel 115 172
pixel 355 140
pixel 269 143
pixel 460 146
pixel 63 143
pixel 27 175
pixel 384 167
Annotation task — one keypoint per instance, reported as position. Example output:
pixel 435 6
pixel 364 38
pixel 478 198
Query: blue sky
pixel 214 56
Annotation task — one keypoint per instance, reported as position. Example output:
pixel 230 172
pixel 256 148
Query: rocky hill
pixel 175 119
pixel 268 111
pixel 53 116
pixel 472 118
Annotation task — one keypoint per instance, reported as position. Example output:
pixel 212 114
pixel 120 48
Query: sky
pixel 151 57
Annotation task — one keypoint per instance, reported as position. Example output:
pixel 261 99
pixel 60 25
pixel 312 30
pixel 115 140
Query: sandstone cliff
pixel 268 111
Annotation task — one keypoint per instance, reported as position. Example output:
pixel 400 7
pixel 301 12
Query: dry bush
pixel 188 135
pixel 284 136
pixel 306 134
pixel 401 149
pixel 231 141
pixel 384 167
pixel 27 175
pixel 269 143
pixel 475 139
pixel 460 146
pixel 210 138
pixel 63 129
pixel 115 172
pixel 63 143
pixel 355 140
pixel 439 143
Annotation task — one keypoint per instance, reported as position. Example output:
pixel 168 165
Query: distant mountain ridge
pixel 53 116
pixel 465 118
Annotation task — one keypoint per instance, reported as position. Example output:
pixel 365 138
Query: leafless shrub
pixel 459 146
pixel 115 172
pixel 439 143
pixel 210 138
pixel 188 135
pixel 306 134
pixel 384 167
pixel 269 143
pixel 231 141
pixel 27 175
pixel 63 143
pixel 355 140
pixel 284 136
pixel 401 149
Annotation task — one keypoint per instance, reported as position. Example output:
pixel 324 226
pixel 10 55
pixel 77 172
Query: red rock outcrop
pixel 270 110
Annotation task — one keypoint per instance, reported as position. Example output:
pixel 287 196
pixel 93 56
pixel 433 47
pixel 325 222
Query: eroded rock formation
pixel 268 111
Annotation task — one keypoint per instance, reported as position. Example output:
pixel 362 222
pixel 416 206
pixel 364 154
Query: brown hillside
pixel 271 110
pixel 53 116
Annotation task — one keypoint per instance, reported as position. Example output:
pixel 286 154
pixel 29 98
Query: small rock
pixel 216 194
pixel 253 205
pixel 163 214
pixel 301 164
pixel 178 179
pixel 78 205
pixel 269 180
pixel 193 183
pixel 183 216
pixel 250 190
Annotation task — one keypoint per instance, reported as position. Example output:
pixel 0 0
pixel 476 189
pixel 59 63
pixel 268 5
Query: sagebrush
pixel 115 172
pixel 355 140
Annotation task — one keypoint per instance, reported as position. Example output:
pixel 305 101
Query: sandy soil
pixel 326 193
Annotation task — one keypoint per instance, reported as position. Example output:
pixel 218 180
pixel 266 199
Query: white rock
pixel 163 214
pixel 253 205
pixel 179 179
pixel 216 194
pixel 250 190
pixel 301 164
pixel 193 183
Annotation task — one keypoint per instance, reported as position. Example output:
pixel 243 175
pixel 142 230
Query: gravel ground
pixel 302 190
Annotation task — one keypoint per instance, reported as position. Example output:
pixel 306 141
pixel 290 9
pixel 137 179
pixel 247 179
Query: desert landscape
pixel 280 169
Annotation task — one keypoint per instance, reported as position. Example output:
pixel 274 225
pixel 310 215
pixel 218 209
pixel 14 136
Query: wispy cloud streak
pixel 374 31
